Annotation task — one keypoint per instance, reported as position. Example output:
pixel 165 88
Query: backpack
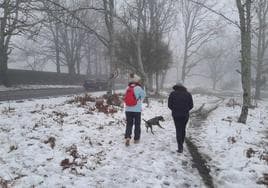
pixel 130 98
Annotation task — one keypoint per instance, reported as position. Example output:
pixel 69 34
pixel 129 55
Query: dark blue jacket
pixel 180 103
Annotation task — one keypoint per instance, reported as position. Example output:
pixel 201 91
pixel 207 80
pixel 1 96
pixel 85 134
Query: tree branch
pixel 218 13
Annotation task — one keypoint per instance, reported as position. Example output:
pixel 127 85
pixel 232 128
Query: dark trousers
pixel 180 124
pixel 133 118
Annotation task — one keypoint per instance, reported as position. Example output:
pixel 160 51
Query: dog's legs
pixel 146 125
pixel 152 130
pixel 160 125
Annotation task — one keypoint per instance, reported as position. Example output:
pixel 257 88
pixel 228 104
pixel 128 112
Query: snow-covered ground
pixel 40 138
pixel 19 87
pixel 238 152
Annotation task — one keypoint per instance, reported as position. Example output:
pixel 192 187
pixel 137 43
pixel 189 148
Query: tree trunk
pixel 88 55
pixel 78 66
pixel 257 95
pixel 109 21
pixel 78 61
pixel 139 57
pixel 157 82
pixel 150 82
pixel 106 65
pixel 262 45
pixel 258 76
pixel 3 54
pixel 245 28
pixel 246 79
pixel 138 44
pixel 185 59
pixel 214 84
pixel 57 47
pixel 3 66
pixel 259 66
pixel 111 83
pixel 96 63
pixel 163 77
pixel 71 68
pixel 100 65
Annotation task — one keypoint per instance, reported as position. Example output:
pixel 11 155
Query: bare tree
pixel 16 17
pixel 261 8
pixel 216 60
pixel 132 20
pixel 71 39
pixel 106 9
pixel 33 54
pixel 244 11
pixel 140 7
pixel 71 42
pixel 161 20
pixel 53 26
pixel 109 15
pixel 63 22
pixel 89 47
pixel 197 31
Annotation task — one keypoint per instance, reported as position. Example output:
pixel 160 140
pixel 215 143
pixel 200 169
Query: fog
pixel 64 69
pixel 194 42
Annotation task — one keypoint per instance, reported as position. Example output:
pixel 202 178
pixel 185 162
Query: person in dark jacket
pixel 180 102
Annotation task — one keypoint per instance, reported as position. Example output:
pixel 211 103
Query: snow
pixel 102 160
pixel 227 144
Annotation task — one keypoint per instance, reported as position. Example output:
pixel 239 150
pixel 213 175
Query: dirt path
pixel 200 163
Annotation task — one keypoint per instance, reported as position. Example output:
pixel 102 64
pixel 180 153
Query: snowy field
pixel 56 143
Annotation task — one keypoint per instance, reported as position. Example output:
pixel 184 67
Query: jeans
pixel 180 124
pixel 133 118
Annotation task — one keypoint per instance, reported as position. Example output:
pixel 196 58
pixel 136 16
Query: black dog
pixel 154 121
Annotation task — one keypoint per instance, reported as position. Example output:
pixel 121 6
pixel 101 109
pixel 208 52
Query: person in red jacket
pixel 180 102
pixel 133 112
